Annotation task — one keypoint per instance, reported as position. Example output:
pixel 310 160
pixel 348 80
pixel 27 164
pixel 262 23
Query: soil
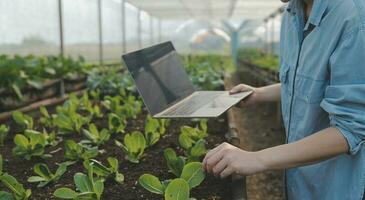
pixel 152 162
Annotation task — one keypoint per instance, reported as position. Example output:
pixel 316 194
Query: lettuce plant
pixel 4 130
pixel 71 123
pixel 154 129
pixel 45 176
pixel 23 120
pixel 174 163
pixel 76 152
pixel 105 172
pixel 116 123
pixel 87 187
pixel 87 105
pixel 45 119
pixel 177 189
pixel 30 144
pixel 134 146
pixel 94 136
pixel 18 192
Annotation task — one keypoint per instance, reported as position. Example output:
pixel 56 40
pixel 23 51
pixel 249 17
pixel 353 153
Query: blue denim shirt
pixel 322 76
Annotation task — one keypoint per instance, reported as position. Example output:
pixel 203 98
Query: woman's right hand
pixel 250 100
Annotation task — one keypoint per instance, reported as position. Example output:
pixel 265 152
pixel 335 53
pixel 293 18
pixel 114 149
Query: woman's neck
pixel 308 8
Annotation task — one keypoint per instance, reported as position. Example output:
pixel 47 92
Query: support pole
pixel 159 30
pixel 139 29
pixel 100 28
pixel 60 21
pixel 152 34
pixel 124 37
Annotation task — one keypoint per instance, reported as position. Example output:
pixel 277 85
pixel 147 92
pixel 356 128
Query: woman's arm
pixel 226 159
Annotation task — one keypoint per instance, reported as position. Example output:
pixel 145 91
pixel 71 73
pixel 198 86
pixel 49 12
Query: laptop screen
pixel 159 75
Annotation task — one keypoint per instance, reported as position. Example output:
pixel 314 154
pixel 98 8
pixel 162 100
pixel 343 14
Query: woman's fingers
pixel 227 172
pixel 213 160
pixel 237 89
pixel 219 167
pixel 211 153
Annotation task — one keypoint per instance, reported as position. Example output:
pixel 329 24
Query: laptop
pixel 166 89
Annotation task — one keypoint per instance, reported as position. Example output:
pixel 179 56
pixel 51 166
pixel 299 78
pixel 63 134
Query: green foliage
pixel 106 172
pixel 30 144
pixel 126 106
pixel 206 72
pixel 94 136
pixel 88 188
pixel 134 146
pixel 45 176
pixel 177 189
pixel 93 109
pixel 110 81
pixel 4 130
pixel 116 123
pixel 174 163
pixel 46 118
pixel 259 58
pixel 154 129
pixel 23 120
pixel 192 140
pixel 18 192
pixel 18 72
pixel 76 152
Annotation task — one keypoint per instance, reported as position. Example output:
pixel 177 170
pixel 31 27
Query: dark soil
pixel 153 163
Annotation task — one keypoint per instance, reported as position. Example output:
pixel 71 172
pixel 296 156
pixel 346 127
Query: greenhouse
pixel 182 99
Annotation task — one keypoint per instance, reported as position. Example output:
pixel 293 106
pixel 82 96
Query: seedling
pixel 45 176
pixel 45 119
pixel 86 104
pixel 18 192
pixel 29 145
pixel 106 172
pixel 116 123
pixel 154 129
pixel 174 163
pixel 23 120
pixel 94 136
pixel 192 141
pixel 87 187
pixel 4 130
pixel 76 152
pixel 134 146
pixel 71 123
pixel 177 189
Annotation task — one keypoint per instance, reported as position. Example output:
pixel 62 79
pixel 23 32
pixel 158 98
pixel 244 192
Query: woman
pixel 322 91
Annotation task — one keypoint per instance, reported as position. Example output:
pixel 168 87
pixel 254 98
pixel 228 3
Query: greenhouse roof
pixel 215 10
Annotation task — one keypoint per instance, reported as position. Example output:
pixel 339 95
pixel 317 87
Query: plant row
pixel 259 58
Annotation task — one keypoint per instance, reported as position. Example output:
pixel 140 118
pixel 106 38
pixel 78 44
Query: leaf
pixel 82 182
pixel 65 193
pixel 185 141
pixel 12 184
pixel 21 140
pixel 43 171
pixel 114 163
pixel 1 164
pixel 174 163
pixel 61 169
pixel 33 179
pixel 152 138
pixel 17 91
pixel 151 183
pixel 198 149
pixel 178 189
pixel 193 174
pixel 98 188
pixel 6 196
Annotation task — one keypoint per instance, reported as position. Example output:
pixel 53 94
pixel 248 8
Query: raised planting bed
pixel 152 162
pixel 257 75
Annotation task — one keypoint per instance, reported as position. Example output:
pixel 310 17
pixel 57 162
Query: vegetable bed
pixel 152 162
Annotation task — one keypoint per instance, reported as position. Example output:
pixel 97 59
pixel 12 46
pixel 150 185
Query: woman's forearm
pixel 269 93
pixel 312 149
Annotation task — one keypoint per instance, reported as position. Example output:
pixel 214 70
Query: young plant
pixel 46 118
pixel 87 187
pixel 116 123
pixel 94 136
pixel 4 130
pixel 76 152
pixel 31 144
pixel 87 105
pixel 23 120
pixel 177 189
pixel 106 172
pixel 45 176
pixel 174 163
pixel 154 129
pixel 134 146
pixel 71 123
pixel 18 192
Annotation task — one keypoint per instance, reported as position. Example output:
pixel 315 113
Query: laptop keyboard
pixel 195 102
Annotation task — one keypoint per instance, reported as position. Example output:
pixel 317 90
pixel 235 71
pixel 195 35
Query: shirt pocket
pixel 310 90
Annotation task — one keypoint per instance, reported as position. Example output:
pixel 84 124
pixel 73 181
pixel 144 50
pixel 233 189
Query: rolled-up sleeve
pixel 344 98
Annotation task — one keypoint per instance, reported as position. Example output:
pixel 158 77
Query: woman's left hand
pixel 227 159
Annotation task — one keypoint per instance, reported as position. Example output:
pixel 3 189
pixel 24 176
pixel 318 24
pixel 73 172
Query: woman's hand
pixel 250 100
pixel 226 160
pixel 269 93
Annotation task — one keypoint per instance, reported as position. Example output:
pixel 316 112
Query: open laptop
pixel 166 89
